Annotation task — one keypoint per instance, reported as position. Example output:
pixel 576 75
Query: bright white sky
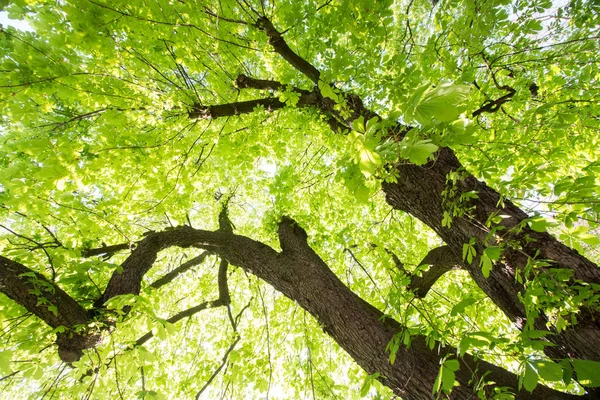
pixel 5 21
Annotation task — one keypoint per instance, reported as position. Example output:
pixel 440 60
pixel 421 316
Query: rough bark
pixel 300 274
pixel 50 303
pixel 359 328
pixel 419 192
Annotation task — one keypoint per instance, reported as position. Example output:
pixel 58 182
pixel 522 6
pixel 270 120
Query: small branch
pixel 168 278
pixel 494 105
pixel 281 47
pixel 9 375
pixel 178 317
pixel 208 11
pixel 223 362
pixel 105 250
pixel 347 250
pixel 441 260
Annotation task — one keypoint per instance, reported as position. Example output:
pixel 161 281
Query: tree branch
pixel 281 47
pixel 223 300
pixel 50 303
pixel 223 362
pixel 300 274
pixel 441 260
pixel 246 82
pixel 491 106
pixel 105 250
pixel 237 108
pixel 178 317
pixel 167 278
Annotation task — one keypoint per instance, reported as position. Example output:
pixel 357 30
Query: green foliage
pixel 445 378
pixel 96 147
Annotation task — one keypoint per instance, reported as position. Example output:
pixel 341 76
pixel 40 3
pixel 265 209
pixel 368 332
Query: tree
pixel 141 141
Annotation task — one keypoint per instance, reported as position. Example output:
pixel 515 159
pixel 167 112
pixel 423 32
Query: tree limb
pixel 441 260
pixel 300 274
pixel 281 47
pixel 105 250
pixel 50 303
pixel 168 278
pixel 246 82
pixel 491 106
pixel 223 362
pixel 237 108
pixel 223 300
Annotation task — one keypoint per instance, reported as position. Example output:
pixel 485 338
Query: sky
pixel 5 21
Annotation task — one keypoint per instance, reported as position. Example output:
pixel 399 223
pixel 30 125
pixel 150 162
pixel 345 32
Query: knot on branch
pixel 199 111
pixel 71 344
pixel 241 81
pixel 225 224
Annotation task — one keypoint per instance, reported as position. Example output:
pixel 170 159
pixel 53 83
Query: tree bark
pixel 419 192
pixel 300 274
pixel 50 303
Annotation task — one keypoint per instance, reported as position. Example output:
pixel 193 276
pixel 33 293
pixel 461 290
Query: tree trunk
pixel 364 331
pixel 300 274
pixel 420 192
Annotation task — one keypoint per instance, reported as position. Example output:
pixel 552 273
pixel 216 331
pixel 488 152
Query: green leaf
pixel 588 372
pixel 327 91
pixel 5 359
pixel 369 161
pixel 530 378
pixel 549 371
pixel 486 265
pixel 493 252
pixel 417 152
pixel 538 224
pixel 364 390
pixel 444 103
pixel 461 305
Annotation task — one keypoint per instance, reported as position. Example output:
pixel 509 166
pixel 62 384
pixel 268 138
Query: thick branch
pixel 280 46
pixel 420 193
pixel 246 82
pixel 246 107
pixel 299 273
pixel 50 303
pixel 39 296
pixel 237 108
pixel 441 260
